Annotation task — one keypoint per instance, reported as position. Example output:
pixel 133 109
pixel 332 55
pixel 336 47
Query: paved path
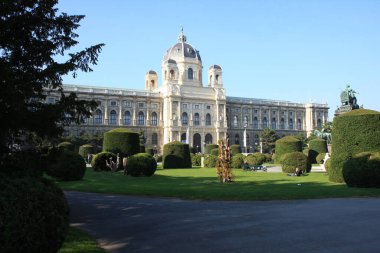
pixel 139 224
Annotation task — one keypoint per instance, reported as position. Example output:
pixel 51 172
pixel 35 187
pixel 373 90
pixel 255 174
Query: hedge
pixel 176 155
pixel 320 158
pixel 66 166
pixel 99 161
pixel 235 149
pixel 215 152
pixel 255 159
pixel 86 149
pixel 210 147
pixel 195 159
pixel 66 145
pixel 122 141
pixel 354 132
pixel 285 145
pixel 237 161
pixel 210 161
pixel 149 151
pixel 316 147
pixel 141 164
pixel 291 161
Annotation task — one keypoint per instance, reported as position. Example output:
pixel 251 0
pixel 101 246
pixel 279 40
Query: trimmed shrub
pixel 306 151
pixel 121 141
pixel 210 147
pixel 255 159
pixel 210 161
pixel 319 158
pixel 235 149
pixel 176 155
pixel 285 145
pixel 237 161
pixel 67 146
pixel 316 147
pixel 363 170
pixel 215 152
pixel 328 165
pixel 66 165
pixel 86 149
pixel 99 161
pixel 158 158
pixel 354 132
pixel 291 161
pixel 34 214
pixel 268 158
pixel 195 159
pixel 141 164
pixel 149 151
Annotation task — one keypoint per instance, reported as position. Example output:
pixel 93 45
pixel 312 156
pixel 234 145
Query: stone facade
pixel 183 109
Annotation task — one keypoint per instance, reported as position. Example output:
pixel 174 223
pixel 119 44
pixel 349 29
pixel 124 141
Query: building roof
pixel 182 50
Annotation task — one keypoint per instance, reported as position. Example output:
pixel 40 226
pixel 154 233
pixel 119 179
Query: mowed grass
pixel 78 241
pixel 203 184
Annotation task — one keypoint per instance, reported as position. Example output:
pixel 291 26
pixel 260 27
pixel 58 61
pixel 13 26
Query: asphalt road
pixel 141 224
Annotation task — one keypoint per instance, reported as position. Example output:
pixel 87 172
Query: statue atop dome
pixel 348 101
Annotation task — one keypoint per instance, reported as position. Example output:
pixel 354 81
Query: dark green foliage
pixel 306 151
pixel 99 161
pixel 320 157
pixel 354 132
pixel 285 145
pixel 237 161
pixel 255 159
pixel 214 152
pixel 66 165
pixel 328 165
pixel 196 159
pixel 363 170
pixel 193 150
pixel 268 158
pixel 291 161
pixel 210 147
pixel 30 162
pixel 149 151
pixel 86 149
pixel 66 146
pixel 121 141
pixel 158 158
pixel 142 149
pixel 176 155
pixel 210 161
pixel 235 149
pixel 141 164
pixel 268 138
pixel 34 214
pixel 316 146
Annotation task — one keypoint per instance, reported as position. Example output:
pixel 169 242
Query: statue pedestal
pixel 343 109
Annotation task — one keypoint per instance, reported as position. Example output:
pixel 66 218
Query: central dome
pixel 182 50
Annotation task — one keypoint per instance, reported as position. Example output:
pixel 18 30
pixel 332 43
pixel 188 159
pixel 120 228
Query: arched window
pixel 217 78
pixel 184 119
pixel 319 123
pixel 190 74
pixel 208 139
pixel 141 119
pixel 235 124
pixel 291 124
pixel 282 123
pixel 113 117
pixel 245 121
pixel 299 124
pixel 197 142
pixel 183 138
pixel 274 125
pixel 154 119
pixel 127 118
pixel 265 122
pixel 171 74
pixel 237 139
pixel 196 119
pixel 98 117
pixel 154 139
pixel 208 119
pixel 255 123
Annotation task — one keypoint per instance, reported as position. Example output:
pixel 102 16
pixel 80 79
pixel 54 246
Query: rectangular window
pixel 196 106
pixel 51 100
pixel 113 103
pixel 184 106
pixel 141 105
pixel 128 104
pixel 208 107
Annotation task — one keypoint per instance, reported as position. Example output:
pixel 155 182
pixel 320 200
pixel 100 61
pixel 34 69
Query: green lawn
pixel 202 183
pixel 78 242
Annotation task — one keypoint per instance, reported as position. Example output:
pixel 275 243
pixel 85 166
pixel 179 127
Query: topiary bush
pixel 99 161
pixel 210 147
pixel 210 161
pixel 316 147
pixel 285 145
pixel 235 149
pixel 34 214
pixel 67 146
pixel 237 161
pixel 85 150
pixel 320 158
pixel 328 165
pixel 363 170
pixel 141 164
pixel 354 132
pixel 291 161
pixel 66 165
pixel 195 159
pixel 215 152
pixel 121 141
pixel 176 155
pixel 255 159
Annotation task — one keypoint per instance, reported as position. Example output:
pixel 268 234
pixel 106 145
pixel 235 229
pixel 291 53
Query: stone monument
pixel 348 101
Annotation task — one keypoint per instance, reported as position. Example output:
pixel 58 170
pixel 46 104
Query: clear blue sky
pixel 299 51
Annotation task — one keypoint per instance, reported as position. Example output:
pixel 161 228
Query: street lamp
pixel 245 138
pixel 155 149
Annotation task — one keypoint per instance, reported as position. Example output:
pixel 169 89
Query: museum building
pixel 184 109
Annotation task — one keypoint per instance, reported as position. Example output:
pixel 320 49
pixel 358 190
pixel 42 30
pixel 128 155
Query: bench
pixel 248 167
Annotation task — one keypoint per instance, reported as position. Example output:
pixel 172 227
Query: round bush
pixel 285 145
pixel 195 159
pixel 141 164
pixel 34 214
pixel 210 161
pixel 363 170
pixel 85 150
pixel 237 161
pixel 176 155
pixel 316 147
pixel 121 141
pixel 255 159
pixel 354 132
pixel 99 161
pixel 67 146
pixel 210 147
pixel 215 152
pixel 320 158
pixel 235 149
pixel 67 166
pixel 291 161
